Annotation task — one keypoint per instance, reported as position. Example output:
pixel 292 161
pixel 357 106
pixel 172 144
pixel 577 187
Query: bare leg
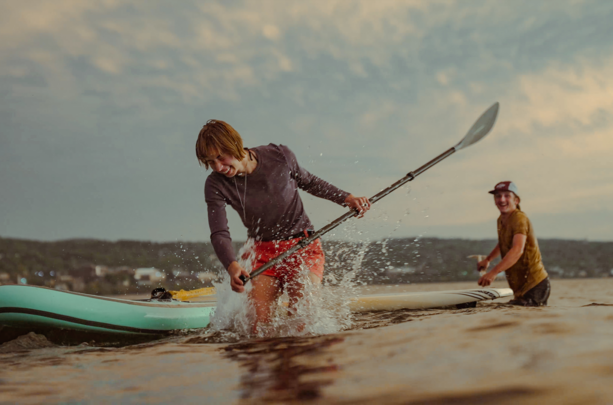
pixel 295 291
pixel 265 291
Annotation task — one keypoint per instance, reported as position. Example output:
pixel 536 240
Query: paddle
pixel 479 129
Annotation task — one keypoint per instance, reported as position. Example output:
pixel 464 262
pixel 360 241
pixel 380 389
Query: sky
pixel 101 104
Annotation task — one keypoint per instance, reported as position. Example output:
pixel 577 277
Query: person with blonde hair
pixel 518 247
pixel 261 184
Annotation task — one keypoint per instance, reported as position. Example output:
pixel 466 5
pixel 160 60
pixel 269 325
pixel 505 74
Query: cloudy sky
pixel 101 103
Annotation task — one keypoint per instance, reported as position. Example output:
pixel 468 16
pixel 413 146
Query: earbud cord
pixel 244 194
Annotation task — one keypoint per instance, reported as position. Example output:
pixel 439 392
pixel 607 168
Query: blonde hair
pixel 218 137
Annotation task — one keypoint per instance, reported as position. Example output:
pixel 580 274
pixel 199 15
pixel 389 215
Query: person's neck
pixel 248 166
pixel 506 216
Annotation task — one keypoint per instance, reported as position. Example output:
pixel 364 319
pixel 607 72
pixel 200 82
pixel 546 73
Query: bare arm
pixel 485 263
pixel 519 243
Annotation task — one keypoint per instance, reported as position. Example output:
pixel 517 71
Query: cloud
pixel 563 95
pixel 257 43
pixel 113 36
pixel 442 78
pixel 271 32
pixel 378 112
pixel 388 84
pixel 554 137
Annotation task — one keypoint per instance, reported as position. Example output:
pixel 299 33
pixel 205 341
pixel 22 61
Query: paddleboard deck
pixel 425 300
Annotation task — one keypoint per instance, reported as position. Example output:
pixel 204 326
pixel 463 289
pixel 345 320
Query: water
pixel 320 311
pixel 491 354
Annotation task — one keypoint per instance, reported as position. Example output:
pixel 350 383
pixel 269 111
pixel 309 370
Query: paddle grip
pixel 243 279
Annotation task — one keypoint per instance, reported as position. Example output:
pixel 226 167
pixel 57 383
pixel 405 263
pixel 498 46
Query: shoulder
pixel 287 152
pixel 213 178
pixel 271 148
pixel 519 216
pixel 279 153
pixel 213 184
pixel 520 221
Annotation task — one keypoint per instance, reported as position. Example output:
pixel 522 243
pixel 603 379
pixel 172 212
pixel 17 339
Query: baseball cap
pixel 505 186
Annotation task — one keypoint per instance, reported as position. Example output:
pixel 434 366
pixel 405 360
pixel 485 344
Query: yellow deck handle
pixel 183 295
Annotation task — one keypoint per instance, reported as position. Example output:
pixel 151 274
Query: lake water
pixel 493 353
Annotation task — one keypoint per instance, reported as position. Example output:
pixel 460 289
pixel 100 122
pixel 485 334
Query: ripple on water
pixel 280 369
pixel 26 342
pixel 276 367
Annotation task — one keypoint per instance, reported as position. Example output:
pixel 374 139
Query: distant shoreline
pixel 136 267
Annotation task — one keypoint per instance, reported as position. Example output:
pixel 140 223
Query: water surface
pixel 490 354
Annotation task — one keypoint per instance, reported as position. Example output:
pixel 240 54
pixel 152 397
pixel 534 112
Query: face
pixel 223 163
pixel 506 201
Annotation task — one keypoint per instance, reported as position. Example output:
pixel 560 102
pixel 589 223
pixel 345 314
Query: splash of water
pixel 323 309
pixel 234 314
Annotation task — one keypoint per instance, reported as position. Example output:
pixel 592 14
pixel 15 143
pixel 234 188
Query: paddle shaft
pixel 308 240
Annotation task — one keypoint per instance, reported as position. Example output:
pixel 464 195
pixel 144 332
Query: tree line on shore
pixel 390 261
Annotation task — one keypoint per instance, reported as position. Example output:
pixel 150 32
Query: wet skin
pixel 267 289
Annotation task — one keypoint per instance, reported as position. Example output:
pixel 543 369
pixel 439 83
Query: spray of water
pixel 322 309
pixel 234 314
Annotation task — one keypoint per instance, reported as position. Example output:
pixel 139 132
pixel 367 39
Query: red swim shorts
pixel 311 257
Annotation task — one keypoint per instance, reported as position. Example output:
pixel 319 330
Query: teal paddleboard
pixel 36 308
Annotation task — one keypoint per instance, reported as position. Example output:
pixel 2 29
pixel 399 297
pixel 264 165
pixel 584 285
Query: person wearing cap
pixel 261 184
pixel 518 247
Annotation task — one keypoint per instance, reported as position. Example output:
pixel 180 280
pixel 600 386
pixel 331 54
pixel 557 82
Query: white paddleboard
pixel 424 300
pixel 415 300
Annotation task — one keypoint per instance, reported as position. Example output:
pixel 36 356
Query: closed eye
pixel 209 160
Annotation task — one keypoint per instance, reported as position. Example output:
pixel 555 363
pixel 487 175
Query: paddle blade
pixel 480 128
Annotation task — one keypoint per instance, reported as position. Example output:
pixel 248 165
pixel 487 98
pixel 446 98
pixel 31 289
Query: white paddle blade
pixel 480 128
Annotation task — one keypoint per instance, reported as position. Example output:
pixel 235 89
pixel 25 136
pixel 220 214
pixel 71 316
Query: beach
pixel 494 353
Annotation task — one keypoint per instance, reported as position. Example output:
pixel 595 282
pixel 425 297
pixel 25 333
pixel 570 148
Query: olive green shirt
pixel 528 271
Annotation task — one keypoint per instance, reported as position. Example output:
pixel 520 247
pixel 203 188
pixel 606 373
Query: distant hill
pixel 385 261
pixel 433 260
pixel 69 262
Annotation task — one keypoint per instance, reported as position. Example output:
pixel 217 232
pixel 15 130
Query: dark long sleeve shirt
pixel 267 200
